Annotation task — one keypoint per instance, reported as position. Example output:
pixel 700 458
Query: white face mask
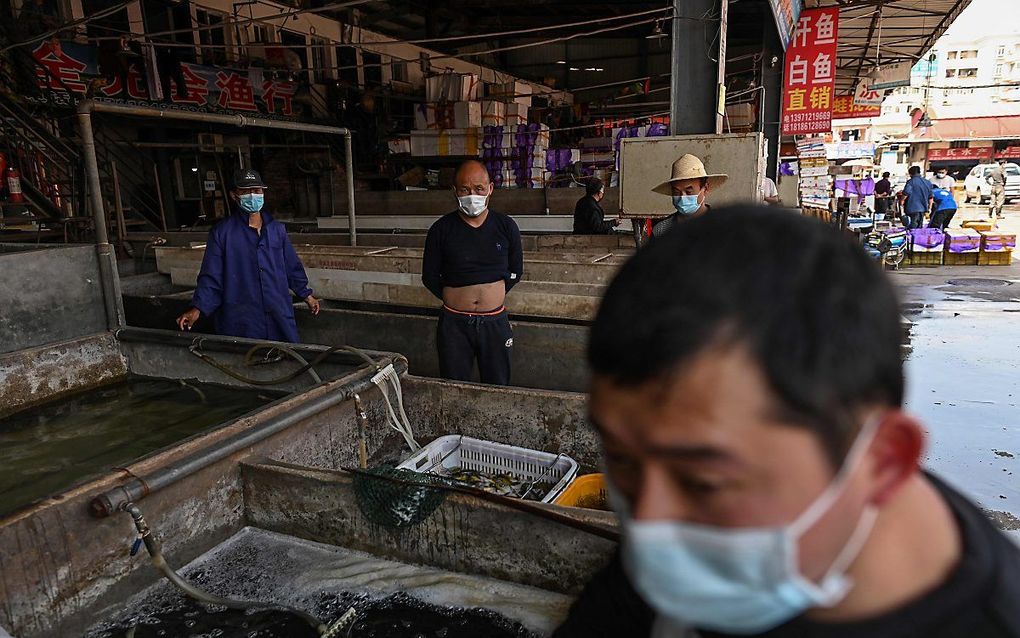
pixel 739 580
pixel 473 205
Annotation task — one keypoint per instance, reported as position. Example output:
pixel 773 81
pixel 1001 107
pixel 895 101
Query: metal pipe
pixel 110 280
pixel 88 144
pixel 349 166
pixel 238 120
pixel 138 488
pixel 118 205
pixel 675 77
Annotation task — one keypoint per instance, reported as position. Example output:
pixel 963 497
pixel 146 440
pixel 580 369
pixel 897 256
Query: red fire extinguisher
pixel 14 186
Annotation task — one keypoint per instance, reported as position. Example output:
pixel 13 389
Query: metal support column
pixel 698 66
pixel 349 166
pixel 112 300
pixel 772 64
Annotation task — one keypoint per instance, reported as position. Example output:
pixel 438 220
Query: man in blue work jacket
pixel 917 195
pixel 249 271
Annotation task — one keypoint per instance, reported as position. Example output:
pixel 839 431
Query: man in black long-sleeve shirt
pixel 589 218
pixel 472 259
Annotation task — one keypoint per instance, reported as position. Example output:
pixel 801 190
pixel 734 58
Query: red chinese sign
pixel 843 107
pixel 73 68
pixel 946 154
pixel 810 77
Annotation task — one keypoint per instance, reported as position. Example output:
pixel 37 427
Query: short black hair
pixel 812 308
pixel 885 174
pixel 914 170
pixel 593 186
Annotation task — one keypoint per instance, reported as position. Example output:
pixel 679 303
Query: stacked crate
pixel 927 246
pixel 996 248
pixel 962 247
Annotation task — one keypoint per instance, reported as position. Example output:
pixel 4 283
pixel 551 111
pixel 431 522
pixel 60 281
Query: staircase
pixel 40 139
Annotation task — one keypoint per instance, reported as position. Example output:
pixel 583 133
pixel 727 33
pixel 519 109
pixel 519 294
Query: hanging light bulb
pixel 657 32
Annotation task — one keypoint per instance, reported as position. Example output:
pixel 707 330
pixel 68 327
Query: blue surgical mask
pixel 738 580
pixel 686 204
pixel 251 202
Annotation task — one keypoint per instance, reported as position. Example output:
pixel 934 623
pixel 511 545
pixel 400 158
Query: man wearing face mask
pixel 689 186
pixel 942 179
pixel 472 259
pixel 757 451
pixel 589 218
pixel 248 271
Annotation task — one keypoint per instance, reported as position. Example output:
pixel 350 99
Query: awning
pixel 885 32
pixel 971 128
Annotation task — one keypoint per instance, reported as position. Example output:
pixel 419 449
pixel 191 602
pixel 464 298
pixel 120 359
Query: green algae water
pixel 47 449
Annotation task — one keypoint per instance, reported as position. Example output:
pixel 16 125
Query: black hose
pixel 156 553
pixel 195 349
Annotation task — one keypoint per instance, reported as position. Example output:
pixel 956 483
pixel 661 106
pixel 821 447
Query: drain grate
pixel 977 281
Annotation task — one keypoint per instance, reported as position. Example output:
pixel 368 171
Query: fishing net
pixel 394 497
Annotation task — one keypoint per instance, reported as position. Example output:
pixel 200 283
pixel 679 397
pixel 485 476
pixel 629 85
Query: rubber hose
pixel 155 551
pixel 248 362
pixel 288 377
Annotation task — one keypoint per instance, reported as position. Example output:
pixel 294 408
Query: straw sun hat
pixel 689 167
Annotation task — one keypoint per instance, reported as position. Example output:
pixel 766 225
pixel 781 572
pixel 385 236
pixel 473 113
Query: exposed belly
pixel 476 298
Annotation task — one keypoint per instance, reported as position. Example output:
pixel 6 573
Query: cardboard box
pixel 424 143
pixel 516 91
pixel 452 87
pixel 493 113
pixel 516 113
pixel 458 142
pixel 434 116
pixel 467 114
pixel 400 145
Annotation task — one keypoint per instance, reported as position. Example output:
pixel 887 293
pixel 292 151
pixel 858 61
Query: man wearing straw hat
pixel 689 185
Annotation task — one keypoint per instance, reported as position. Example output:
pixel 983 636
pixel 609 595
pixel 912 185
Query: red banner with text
pixel 843 107
pixel 810 74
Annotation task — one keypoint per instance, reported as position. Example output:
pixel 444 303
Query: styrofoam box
pixel 516 113
pixel 467 114
pixel 493 113
pixel 464 452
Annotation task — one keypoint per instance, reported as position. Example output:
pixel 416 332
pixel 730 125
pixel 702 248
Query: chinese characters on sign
pixel 810 77
pixel 843 107
pixel 73 68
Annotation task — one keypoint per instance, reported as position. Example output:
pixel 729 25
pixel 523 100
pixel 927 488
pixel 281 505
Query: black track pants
pixel 466 339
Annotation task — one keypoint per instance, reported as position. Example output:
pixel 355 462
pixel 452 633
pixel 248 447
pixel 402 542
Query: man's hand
pixel 617 222
pixel 313 304
pixel 188 319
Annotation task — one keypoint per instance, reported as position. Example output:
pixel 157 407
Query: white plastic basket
pixel 453 451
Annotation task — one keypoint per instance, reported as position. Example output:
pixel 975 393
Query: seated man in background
pixel 589 218
pixel 756 449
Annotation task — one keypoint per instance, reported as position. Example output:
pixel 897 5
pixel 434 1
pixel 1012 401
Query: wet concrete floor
pixel 963 377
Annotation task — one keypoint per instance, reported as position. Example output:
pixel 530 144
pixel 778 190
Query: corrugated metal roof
pixel 883 32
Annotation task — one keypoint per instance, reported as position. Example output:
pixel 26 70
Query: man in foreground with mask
pixel 472 259
pixel 248 271
pixel 689 186
pixel 756 449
